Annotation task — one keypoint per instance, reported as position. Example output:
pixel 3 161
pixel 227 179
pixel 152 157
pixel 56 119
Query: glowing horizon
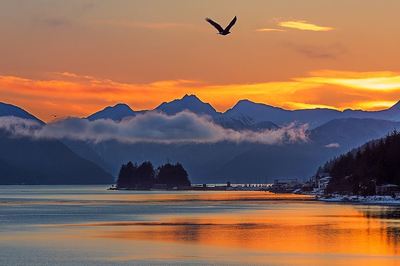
pixel 69 94
pixel 74 58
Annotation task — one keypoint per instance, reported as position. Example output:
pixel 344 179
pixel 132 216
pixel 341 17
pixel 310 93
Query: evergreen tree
pixel 173 175
pixel 132 176
pixel 376 163
pixel 127 176
pixel 145 175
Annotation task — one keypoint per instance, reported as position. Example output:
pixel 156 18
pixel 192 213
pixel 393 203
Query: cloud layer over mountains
pixel 184 127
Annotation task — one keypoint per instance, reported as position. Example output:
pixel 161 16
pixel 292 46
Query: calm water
pixel 69 225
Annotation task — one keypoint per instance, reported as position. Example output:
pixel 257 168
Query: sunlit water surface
pixel 68 225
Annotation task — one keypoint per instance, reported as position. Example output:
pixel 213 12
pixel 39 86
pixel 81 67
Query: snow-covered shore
pixel 367 200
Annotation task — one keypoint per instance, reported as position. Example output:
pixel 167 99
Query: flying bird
pixel 221 30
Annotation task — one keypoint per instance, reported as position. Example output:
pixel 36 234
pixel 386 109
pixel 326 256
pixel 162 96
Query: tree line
pixel 145 176
pixel 359 171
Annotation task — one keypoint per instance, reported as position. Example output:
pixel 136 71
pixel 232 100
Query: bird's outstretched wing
pixel 215 24
pixel 231 24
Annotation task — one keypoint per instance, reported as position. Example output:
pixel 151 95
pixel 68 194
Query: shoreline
pixel 342 199
pixel 361 200
pixel 209 187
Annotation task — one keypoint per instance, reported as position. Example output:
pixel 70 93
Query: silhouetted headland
pixel 369 174
pixel 168 177
pixel 145 176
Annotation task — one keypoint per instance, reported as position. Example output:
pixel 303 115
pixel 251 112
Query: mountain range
pixel 116 113
pixel 246 113
pixel 331 132
pixel 24 160
pixel 12 110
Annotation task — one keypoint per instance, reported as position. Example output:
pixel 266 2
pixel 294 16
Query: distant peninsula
pixel 365 170
pixel 369 174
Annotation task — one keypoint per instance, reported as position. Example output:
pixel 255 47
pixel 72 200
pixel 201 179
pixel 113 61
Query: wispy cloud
pixel 153 127
pixel 303 25
pixel 380 81
pixel 269 30
pixel 299 105
pixel 144 25
pixel 331 51
pixel 376 105
pixel 332 145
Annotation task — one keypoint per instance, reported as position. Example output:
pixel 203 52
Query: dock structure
pixel 285 185
pixel 231 187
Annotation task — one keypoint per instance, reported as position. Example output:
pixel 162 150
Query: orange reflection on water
pixel 149 197
pixel 228 226
pixel 294 231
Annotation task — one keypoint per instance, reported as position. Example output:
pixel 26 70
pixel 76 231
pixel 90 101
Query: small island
pixel 145 177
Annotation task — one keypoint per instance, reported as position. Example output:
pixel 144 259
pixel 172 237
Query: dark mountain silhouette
pixel 392 113
pixel 314 117
pixel 10 174
pixel 251 162
pixel 301 160
pixel 38 161
pixel 332 132
pixel 116 113
pixel 243 123
pixel 187 103
pixel 237 162
pixel 34 161
pixel 12 110
pixel 248 115
pixel 359 171
pixel 263 112
pixel 226 161
pixel 84 150
pixel 352 132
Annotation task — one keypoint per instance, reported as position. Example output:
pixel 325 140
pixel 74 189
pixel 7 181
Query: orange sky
pixel 71 58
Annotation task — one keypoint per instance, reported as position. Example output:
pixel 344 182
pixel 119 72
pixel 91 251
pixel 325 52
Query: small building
pixel 322 182
pixel 307 186
pixel 314 179
pixel 285 186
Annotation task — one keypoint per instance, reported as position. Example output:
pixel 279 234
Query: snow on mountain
pixel 116 113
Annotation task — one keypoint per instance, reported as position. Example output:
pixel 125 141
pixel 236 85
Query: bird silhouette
pixel 221 30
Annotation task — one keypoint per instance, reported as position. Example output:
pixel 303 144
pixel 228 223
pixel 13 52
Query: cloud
pixel 298 105
pixel 55 22
pixel 381 81
pixel 318 52
pixel 303 25
pixel 70 94
pixel 19 126
pixel 144 25
pixel 332 145
pixel 376 105
pixel 153 127
pixel 269 30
